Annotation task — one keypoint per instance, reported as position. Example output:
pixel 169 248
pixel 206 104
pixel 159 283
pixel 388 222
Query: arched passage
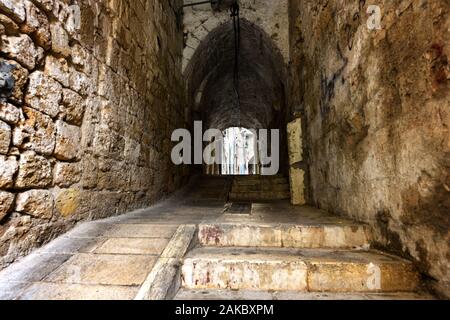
pixel 211 86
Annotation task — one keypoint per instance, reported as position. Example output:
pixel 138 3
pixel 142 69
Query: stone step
pixel 260 181
pixel 201 294
pixel 306 270
pixel 261 188
pixel 284 235
pixel 259 196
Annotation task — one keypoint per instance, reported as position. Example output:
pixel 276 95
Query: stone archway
pixel 211 87
pixel 270 16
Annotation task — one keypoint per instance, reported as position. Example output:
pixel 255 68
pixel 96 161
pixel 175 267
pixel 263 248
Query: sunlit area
pixel 239 155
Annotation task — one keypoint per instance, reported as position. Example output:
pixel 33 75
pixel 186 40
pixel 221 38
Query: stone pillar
pixel 296 173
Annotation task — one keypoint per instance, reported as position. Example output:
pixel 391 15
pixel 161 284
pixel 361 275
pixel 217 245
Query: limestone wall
pixel 86 132
pixel 376 107
pixel 270 16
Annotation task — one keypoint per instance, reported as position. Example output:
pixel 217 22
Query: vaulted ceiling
pixel 211 73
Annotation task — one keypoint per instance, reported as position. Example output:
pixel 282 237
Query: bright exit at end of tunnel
pixel 234 151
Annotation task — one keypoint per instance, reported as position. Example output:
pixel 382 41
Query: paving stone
pixel 124 270
pixel 58 291
pixel 200 295
pixel 64 245
pixel 145 246
pixel 141 231
pixel 89 230
pixel 32 268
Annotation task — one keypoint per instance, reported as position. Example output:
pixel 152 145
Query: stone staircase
pixel 303 258
pixel 259 188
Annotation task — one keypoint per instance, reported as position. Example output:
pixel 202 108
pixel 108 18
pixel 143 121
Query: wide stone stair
pixel 260 188
pixel 277 255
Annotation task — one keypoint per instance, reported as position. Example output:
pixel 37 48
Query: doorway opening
pixel 240 152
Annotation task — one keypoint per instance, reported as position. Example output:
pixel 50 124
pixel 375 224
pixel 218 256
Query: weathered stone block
pixel 10 113
pixel 8 168
pixel 80 83
pixel 68 140
pixel 34 171
pixel 44 94
pixel 60 39
pixel 258 271
pixel 22 49
pixel 109 115
pixel 20 75
pixel 73 21
pixel 90 172
pixel 5 137
pixel 297 182
pixel 36 203
pixel 14 9
pixel 58 69
pixel 79 55
pixel 72 108
pixel 46 5
pixel 295 141
pixel 67 202
pixel 6 203
pixel 37 24
pixel 108 142
pixel 67 174
pixel 11 28
pixel 36 132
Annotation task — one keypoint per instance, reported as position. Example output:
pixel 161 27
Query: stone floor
pixel 109 259
pixel 185 294
pixel 114 258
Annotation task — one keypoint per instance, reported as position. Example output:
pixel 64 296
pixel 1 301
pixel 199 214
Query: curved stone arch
pixel 271 16
pixel 262 76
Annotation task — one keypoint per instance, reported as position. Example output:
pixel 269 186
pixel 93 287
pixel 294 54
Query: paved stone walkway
pixel 110 259
pixel 115 258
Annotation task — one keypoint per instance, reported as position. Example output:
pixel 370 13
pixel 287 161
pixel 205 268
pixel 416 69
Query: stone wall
pixel 376 111
pixel 271 16
pixel 86 132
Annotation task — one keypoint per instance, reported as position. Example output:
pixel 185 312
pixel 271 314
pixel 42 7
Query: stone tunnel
pixel 92 205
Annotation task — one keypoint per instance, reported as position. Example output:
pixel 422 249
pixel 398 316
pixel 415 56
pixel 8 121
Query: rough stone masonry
pixel 376 107
pixel 83 135
pixel 99 86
